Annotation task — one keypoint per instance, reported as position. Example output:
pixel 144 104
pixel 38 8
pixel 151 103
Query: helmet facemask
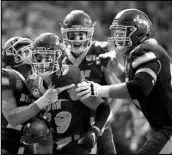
pixel 21 51
pixel 121 36
pixel 77 45
pixel 45 62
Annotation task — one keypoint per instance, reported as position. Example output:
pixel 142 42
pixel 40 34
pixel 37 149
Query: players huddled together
pixel 58 93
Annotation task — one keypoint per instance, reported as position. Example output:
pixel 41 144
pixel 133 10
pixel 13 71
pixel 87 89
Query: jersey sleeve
pixel 6 80
pixel 145 77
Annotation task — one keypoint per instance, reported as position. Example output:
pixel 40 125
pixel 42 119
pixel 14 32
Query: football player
pixel 77 31
pixel 17 106
pixel 147 77
pixel 69 117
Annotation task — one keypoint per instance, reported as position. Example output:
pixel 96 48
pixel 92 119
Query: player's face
pixel 120 37
pixel 43 62
pixel 77 38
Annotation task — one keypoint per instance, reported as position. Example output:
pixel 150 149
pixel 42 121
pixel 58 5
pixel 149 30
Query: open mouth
pixel 77 45
pixel 44 69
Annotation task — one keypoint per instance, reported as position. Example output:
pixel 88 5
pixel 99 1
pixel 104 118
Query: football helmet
pixel 77 22
pixel 17 51
pixel 129 28
pixel 48 54
pixel 35 130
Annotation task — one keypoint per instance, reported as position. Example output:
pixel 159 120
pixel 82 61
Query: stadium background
pixel 31 18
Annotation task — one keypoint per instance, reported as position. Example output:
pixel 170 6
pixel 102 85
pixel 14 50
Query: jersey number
pixel 62 120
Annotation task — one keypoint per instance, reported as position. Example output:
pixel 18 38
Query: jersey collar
pixel 76 61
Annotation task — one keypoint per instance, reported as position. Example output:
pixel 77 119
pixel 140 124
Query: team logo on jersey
pixel 19 84
pixel 36 93
pixel 91 58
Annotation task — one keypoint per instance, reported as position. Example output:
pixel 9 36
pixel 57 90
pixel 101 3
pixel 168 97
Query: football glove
pixel 108 60
pixel 88 89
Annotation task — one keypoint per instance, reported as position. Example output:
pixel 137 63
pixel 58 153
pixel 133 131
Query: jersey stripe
pixel 143 59
pixel 5 81
pixel 149 71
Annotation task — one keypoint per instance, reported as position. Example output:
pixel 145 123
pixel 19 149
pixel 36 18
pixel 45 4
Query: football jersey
pixel 13 80
pixel 87 62
pixel 157 106
pixel 67 117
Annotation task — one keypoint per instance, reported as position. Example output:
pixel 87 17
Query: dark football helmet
pixel 48 54
pixel 129 28
pixel 17 51
pixel 35 130
pixel 77 21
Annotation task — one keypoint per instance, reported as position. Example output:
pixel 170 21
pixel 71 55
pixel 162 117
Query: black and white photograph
pixel 86 77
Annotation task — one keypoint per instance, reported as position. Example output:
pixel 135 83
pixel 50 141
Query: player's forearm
pixel 119 72
pixel 110 80
pixel 22 114
pixel 119 91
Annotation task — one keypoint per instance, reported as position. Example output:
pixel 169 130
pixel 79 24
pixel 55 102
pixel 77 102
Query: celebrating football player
pixel 147 77
pixel 17 106
pixel 69 117
pixel 77 31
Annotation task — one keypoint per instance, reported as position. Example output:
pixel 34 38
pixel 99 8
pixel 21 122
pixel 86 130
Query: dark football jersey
pixel 157 106
pixel 11 79
pixel 87 62
pixel 67 117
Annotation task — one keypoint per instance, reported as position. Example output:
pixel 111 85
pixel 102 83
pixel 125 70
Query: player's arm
pixel 142 84
pixel 18 115
pixel 110 62
pixel 111 79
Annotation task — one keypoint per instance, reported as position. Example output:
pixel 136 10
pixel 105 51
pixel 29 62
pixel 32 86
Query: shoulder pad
pixel 141 59
pixel 7 78
pixel 151 41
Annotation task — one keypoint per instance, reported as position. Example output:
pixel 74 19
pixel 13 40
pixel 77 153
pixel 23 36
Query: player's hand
pixel 87 89
pixel 89 140
pixel 108 60
pixel 49 97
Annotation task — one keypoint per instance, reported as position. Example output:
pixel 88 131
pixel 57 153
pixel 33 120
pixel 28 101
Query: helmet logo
pixel 142 22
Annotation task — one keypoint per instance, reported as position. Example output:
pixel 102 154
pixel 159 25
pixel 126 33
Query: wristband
pixel 103 91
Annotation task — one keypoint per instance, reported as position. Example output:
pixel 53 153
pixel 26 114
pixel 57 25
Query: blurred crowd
pixel 31 18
